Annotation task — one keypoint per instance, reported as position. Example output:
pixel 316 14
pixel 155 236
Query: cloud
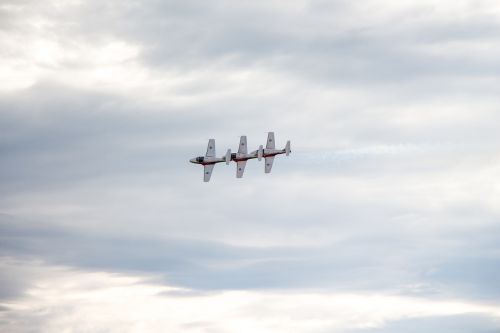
pixel 460 323
pixel 391 108
pixel 63 298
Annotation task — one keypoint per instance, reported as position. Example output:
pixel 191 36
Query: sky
pixel 385 217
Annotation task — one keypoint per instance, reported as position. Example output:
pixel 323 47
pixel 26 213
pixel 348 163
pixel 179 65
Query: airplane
pixel 270 151
pixel 209 160
pixel 242 156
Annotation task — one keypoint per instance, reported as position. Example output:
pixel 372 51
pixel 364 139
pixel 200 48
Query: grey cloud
pixel 311 43
pixel 74 135
pixel 454 324
pixel 381 51
pixel 81 142
pixel 390 186
pixel 383 261
pixel 476 270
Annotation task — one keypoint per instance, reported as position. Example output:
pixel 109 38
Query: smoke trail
pixel 370 152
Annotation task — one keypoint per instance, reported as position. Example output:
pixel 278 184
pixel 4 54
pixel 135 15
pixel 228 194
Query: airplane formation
pixel 241 157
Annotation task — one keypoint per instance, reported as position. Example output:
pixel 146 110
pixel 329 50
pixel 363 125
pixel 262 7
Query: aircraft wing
pixel 207 172
pixel 269 163
pixel 270 140
pixel 243 145
pixel 210 148
pixel 240 168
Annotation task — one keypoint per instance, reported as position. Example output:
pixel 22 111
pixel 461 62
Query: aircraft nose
pixel 193 160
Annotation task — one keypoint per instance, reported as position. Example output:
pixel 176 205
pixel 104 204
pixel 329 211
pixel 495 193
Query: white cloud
pixel 63 299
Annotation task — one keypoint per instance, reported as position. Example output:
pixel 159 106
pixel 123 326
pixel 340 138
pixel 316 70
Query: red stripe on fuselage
pixel 241 159
pixel 272 154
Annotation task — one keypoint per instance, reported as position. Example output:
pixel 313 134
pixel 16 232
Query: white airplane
pixel 242 156
pixel 270 151
pixel 209 160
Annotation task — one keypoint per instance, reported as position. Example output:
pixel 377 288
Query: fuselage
pixel 237 157
pixel 204 160
pixel 270 152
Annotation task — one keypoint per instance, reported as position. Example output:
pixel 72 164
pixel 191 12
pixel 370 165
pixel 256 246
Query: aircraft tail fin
pixel 287 148
pixel 260 152
pixel 227 158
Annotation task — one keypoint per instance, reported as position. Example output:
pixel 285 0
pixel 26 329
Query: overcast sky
pixel 385 217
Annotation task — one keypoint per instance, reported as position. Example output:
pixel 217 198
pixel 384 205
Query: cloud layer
pixel 390 190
